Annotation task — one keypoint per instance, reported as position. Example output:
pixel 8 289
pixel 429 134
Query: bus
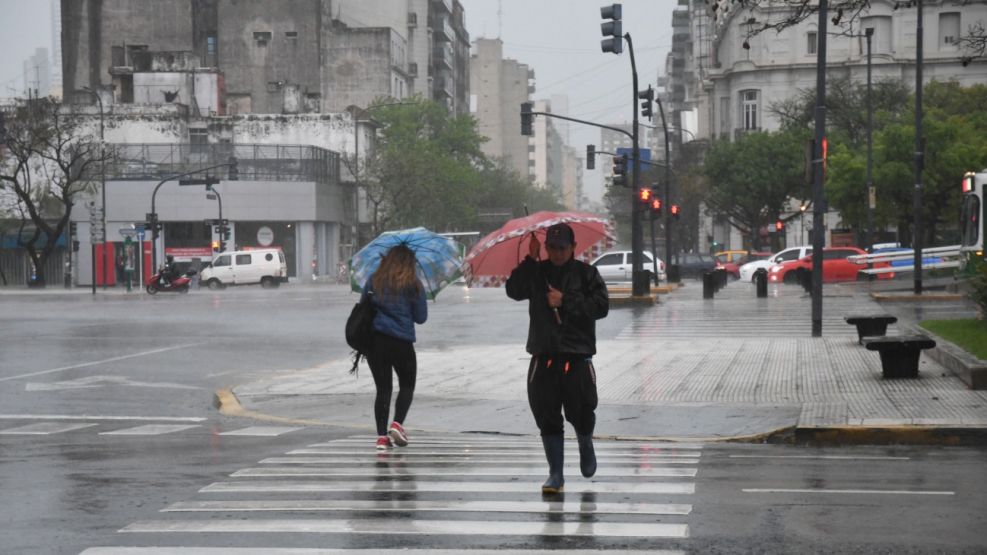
pixel 972 220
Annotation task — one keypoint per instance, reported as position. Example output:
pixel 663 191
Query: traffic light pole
pixel 818 195
pixel 640 285
pixel 668 197
pixel 154 214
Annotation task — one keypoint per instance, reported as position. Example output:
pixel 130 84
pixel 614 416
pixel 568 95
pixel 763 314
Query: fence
pixel 16 267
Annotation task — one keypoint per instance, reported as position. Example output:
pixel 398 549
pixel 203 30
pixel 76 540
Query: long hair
pixel 396 273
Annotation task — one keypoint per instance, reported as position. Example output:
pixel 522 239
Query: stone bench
pixel 869 325
pixel 900 354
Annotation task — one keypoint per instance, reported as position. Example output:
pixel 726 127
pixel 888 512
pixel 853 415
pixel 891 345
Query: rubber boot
pixel 587 456
pixel 555 453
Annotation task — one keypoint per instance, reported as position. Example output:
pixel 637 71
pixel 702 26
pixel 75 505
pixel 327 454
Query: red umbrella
pixel 492 259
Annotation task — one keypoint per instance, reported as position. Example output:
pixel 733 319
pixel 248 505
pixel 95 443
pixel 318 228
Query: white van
pixel 264 266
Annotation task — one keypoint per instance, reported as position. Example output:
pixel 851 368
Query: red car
pixel 835 266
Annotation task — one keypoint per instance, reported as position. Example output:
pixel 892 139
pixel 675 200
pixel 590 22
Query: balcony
pixel 152 162
pixel 442 31
pixel 443 56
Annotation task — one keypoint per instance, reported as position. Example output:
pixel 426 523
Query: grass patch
pixel 971 335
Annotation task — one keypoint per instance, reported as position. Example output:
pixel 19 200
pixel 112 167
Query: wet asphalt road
pixel 86 369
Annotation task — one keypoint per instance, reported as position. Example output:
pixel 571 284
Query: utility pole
pixel 818 196
pixel 871 196
pixel 919 155
pixel 673 275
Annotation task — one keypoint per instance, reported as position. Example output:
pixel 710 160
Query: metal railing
pixel 255 162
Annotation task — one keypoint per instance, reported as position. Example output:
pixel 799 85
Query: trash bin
pixel 673 273
pixel 761 283
pixel 709 284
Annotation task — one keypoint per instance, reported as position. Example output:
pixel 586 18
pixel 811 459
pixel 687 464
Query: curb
pixel 888 435
pixel 969 369
pixel 227 403
pixel 911 297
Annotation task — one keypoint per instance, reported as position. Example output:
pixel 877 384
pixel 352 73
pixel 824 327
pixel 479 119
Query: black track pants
pixel 390 353
pixel 562 382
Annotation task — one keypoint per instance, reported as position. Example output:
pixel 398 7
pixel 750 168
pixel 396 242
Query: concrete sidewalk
pixel 733 368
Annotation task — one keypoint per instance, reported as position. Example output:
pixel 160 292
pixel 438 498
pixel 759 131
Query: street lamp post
pixel 102 172
pixel 818 195
pixel 869 233
pixel 919 155
pixel 671 269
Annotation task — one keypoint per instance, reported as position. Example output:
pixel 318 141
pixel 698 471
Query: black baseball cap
pixel 560 235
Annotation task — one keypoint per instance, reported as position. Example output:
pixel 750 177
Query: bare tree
pixel 47 159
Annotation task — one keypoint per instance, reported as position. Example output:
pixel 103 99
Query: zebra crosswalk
pixel 438 495
pixel 45 425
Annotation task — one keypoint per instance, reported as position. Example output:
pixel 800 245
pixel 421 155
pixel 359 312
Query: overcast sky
pixel 559 39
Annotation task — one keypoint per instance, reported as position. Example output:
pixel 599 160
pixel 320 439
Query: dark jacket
pixel 397 314
pixel 584 301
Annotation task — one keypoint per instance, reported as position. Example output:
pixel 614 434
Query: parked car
pixel 731 261
pixel 835 267
pixel 693 264
pixel 264 266
pixel 615 266
pixel 792 253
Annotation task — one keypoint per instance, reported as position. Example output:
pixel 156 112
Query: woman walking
pixel 399 297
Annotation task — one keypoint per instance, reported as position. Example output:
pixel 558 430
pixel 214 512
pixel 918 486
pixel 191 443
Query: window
pixel 222 261
pixel 748 108
pixel 242 259
pixel 211 50
pixel 725 115
pixel 261 38
pixel 811 41
pixel 788 255
pixel 949 29
pixel 610 260
pixel 291 35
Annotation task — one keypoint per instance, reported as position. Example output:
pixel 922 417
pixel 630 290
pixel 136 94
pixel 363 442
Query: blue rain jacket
pixel 397 314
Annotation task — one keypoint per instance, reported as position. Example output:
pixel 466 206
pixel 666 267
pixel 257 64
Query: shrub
pixel 978 286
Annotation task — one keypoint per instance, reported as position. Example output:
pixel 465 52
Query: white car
pixel 615 266
pixel 793 253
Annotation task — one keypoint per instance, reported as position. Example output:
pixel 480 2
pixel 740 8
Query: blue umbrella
pixel 439 258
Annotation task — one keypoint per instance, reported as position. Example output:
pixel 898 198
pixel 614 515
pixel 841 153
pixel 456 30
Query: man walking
pixel 565 299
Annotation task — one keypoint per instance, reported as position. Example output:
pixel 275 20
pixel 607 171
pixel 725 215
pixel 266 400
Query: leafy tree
pixel 425 168
pixel 751 179
pixel 46 159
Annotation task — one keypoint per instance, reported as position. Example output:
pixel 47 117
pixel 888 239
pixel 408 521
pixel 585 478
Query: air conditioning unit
pixel 413 69
pixel 412 20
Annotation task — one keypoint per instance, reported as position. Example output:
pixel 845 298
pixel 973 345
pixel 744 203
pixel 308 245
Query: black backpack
pixel 360 329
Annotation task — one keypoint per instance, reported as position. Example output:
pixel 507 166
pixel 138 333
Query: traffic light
pixel 526 118
pixel 612 29
pixel 647 98
pixel 779 225
pixel 675 211
pixel 224 232
pixel 216 246
pixel 656 206
pixel 620 170
pixel 234 174
pixel 645 194
pixel 590 157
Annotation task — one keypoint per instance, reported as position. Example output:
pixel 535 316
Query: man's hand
pixel 554 297
pixel 534 247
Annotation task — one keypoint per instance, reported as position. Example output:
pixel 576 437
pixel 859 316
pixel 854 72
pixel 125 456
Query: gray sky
pixel 560 39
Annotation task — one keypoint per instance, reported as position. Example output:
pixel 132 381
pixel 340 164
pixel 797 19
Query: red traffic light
pixel 779 225
pixel 644 194
pixel 656 205
pixel 675 210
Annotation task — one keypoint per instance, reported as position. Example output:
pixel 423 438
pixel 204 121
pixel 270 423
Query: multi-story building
pixel 277 56
pixel 499 87
pixel 37 73
pixel 546 160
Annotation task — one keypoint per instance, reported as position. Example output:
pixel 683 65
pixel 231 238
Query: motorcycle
pixel 180 284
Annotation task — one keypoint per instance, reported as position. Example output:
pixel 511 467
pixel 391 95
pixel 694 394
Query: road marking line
pixel 435 486
pixel 396 551
pixel 402 459
pixel 414 471
pixel 267 431
pixel 97 362
pixel 418 527
pixel 823 457
pixel 44 428
pixel 570 507
pixel 85 417
pixel 509 443
pixel 505 453
pixel 851 491
pixel 149 430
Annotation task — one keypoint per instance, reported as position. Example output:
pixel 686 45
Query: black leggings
pixel 397 354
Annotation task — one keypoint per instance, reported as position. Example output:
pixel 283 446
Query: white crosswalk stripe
pixel 264 431
pixel 44 428
pixel 150 430
pixel 435 491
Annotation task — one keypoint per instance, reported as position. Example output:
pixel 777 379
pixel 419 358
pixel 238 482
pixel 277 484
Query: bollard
pixel 673 273
pixel 721 278
pixel 761 283
pixel 708 285
pixel 805 280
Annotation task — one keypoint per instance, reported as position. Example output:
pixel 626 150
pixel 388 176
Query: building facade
pixel 277 56
pixel 499 87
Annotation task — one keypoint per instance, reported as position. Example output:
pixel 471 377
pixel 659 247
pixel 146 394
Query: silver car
pixel 615 266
